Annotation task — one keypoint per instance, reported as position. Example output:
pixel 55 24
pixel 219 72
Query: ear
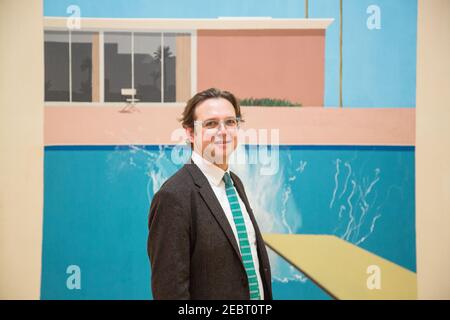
pixel 190 134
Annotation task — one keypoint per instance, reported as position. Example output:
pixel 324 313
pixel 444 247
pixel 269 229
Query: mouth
pixel 224 142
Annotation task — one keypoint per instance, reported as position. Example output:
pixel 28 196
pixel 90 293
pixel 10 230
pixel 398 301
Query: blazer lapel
pixel 240 189
pixel 213 204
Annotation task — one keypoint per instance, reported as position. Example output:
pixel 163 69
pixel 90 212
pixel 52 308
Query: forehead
pixel 214 108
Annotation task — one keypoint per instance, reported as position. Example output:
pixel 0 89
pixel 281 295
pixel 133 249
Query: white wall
pixel 21 147
pixel 433 150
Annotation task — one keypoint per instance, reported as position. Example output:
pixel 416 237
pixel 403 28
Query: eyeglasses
pixel 230 124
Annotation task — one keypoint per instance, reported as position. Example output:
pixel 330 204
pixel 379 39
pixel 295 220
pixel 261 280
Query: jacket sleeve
pixel 169 247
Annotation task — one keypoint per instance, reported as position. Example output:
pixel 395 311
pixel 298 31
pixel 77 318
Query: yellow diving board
pixel 344 270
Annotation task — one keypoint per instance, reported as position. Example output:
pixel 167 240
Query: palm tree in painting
pixel 86 86
pixel 158 56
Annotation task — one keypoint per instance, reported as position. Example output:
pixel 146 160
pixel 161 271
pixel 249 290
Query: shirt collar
pixel 210 170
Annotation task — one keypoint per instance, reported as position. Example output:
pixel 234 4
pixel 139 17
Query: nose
pixel 222 128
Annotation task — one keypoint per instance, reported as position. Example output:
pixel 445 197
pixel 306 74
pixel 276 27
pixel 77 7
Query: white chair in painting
pixel 131 101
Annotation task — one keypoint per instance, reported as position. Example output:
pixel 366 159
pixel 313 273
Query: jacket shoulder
pixel 179 183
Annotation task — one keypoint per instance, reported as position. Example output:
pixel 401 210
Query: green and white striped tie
pixel 244 244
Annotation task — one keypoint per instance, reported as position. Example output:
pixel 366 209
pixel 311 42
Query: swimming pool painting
pixel 97 199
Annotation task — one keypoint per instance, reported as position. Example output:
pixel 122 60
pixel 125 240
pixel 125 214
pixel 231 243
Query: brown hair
pixel 188 116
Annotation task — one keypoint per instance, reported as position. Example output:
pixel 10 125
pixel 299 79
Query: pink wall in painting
pixel 282 64
pixel 297 126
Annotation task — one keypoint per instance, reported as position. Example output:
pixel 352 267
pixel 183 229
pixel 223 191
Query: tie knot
pixel 227 179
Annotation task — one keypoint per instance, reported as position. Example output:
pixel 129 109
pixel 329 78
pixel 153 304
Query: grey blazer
pixel 193 252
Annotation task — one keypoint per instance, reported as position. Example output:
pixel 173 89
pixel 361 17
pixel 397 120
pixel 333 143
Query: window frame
pixel 101 58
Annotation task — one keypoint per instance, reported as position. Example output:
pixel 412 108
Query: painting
pixel 327 90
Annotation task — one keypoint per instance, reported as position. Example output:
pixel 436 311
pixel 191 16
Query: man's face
pixel 214 136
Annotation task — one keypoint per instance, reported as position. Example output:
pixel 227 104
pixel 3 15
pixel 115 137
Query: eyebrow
pixel 231 117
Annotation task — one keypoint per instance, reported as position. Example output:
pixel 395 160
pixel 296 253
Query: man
pixel 204 242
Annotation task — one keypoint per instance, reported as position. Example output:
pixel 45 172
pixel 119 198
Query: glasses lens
pixel 231 123
pixel 211 124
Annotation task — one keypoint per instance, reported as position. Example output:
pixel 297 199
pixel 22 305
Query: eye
pixel 231 122
pixel 211 124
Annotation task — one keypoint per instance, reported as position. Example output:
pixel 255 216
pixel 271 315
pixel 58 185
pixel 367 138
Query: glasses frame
pixel 239 120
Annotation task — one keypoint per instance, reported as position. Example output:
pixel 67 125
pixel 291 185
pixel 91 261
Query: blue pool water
pixel 96 202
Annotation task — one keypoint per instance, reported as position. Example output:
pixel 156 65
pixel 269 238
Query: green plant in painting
pixel 268 102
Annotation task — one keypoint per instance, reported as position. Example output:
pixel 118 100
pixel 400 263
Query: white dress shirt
pixel 214 175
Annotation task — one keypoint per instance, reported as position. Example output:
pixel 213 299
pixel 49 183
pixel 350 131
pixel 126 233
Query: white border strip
pixel 70 66
pixel 101 51
pixel 229 23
